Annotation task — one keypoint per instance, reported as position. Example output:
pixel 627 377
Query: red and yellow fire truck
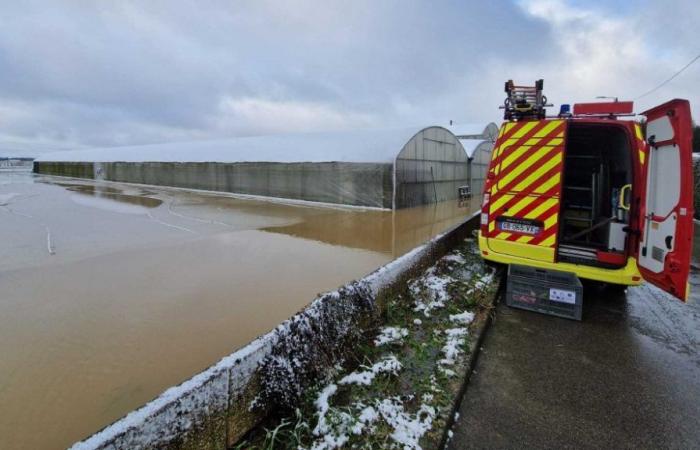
pixel 592 193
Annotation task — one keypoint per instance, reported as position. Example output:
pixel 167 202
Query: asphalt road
pixel 627 376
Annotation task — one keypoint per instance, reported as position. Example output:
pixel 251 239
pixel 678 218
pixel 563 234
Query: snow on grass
pixel 367 416
pixel 452 347
pixel 390 335
pixel 407 428
pixel 464 318
pixel 387 365
pixel 322 407
pixel 430 291
pixel 454 258
pixel 485 280
pixel 334 426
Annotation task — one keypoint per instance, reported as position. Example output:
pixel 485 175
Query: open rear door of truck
pixel 666 245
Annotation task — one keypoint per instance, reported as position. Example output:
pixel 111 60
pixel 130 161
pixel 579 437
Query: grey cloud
pixel 111 73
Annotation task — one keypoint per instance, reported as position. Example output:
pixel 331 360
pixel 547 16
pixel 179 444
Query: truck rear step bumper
pixel 627 275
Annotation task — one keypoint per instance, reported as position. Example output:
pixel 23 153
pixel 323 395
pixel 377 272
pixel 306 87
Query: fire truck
pixel 591 192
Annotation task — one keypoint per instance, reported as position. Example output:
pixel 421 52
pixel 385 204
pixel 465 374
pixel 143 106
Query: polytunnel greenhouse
pixel 390 168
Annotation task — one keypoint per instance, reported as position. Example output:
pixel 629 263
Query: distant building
pixel 388 168
pixel 478 141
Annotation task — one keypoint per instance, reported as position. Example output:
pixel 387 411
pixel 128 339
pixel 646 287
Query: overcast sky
pixel 84 74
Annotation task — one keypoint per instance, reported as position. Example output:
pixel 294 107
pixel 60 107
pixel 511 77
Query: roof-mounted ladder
pixel 524 102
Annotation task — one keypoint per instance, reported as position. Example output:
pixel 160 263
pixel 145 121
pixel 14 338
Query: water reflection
pixel 112 193
pixel 387 232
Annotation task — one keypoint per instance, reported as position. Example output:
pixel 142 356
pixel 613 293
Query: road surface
pixel 627 376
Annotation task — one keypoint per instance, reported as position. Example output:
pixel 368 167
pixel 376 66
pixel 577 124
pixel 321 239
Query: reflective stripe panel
pixel 527 165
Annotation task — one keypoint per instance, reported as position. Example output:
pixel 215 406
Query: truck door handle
pixel 669 241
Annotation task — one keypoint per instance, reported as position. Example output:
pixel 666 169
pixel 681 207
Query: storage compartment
pixel 595 195
pixel 546 291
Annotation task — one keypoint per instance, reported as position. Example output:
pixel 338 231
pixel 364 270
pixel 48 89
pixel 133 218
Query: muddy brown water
pixel 110 293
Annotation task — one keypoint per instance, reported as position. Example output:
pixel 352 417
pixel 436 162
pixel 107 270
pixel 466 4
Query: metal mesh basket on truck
pixel 545 291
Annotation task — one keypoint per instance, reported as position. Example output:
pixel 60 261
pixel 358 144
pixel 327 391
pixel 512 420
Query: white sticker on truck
pixel 562 295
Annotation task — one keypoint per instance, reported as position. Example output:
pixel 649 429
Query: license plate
pixel 519 228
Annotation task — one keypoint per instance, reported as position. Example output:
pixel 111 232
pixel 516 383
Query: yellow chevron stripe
pixel 642 156
pixel 548 128
pixel 638 132
pixel 532 159
pixel 513 156
pixel 541 208
pixel 520 205
pixel 500 201
pixel 556 141
pixel 527 126
pixel 503 235
pixel 551 221
pixel 549 241
pixel 549 184
pixel 537 174
pixel 492 226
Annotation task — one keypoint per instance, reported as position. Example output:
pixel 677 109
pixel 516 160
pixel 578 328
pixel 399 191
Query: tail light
pixel 485 213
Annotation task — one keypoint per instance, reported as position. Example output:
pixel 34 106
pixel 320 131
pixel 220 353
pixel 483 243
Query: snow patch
pixel 387 365
pixel 407 429
pixel 452 347
pixel 368 416
pixel 464 318
pixel 430 291
pixel 454 258
pixel 390 335
pixel 322 407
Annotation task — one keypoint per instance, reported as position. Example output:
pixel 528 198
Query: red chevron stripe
pixel 542 197
pixel 527 209
pixel 542 142
pixel 546 157
pixel 527 191
pixel 542 217
pixel 552 231
pixel 525 138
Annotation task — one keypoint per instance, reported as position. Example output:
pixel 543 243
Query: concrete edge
pixel 197 412
pixel 472 359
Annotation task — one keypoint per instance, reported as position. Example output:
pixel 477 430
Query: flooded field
pixel 111 293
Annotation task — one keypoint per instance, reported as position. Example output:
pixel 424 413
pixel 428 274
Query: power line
pixel 669 79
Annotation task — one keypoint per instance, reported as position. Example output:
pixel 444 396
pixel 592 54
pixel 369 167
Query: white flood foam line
pixel 49 246
pixel 169 224
pixel 196 219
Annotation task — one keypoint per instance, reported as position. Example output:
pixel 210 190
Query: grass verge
pixel 399 387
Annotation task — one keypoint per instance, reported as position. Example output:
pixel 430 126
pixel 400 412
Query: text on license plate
pixel 519 228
